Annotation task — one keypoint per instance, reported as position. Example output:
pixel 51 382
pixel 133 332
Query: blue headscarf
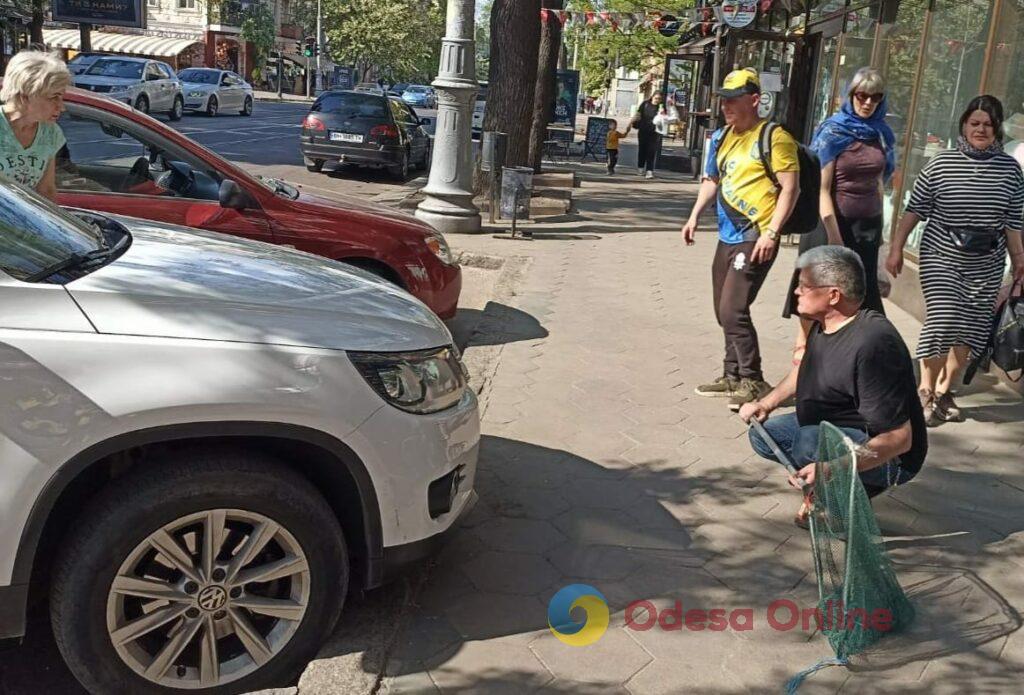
pixel 841 130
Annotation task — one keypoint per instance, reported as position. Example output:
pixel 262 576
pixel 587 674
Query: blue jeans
pixel 800 444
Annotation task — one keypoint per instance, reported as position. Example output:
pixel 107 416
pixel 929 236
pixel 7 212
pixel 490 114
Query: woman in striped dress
pixel 973 200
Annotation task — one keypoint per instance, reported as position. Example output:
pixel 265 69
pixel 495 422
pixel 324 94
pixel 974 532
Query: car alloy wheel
pixel 247 107
pixel 177 109
pixel 142 104
pixel 185 623
pixel 212 106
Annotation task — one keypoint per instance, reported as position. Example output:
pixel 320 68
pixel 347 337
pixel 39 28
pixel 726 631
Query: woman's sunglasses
pixel 864 97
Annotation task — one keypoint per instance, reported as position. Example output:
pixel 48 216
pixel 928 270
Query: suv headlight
pixel 416 382
pixel 439 247
pixel 196 94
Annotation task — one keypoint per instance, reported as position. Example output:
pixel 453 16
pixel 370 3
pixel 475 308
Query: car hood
pixel 199 86
pixel 105 81
pixel 177 282
pixel 353 205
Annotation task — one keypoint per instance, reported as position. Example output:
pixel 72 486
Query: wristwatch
pixel 772 234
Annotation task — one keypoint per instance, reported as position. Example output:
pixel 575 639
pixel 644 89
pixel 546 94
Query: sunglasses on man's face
pixel 864 97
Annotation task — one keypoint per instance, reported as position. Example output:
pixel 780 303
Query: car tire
pixel 315 165
pixel 212 106
pixel 177 110
pixel 243 497
pixel 142 103
pixel 247 107
pixel 424 163
pixel 400 171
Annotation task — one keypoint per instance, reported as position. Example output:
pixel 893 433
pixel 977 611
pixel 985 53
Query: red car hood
pixel 376 211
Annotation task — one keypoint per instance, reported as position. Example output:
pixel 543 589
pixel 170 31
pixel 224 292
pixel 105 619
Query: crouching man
pixel 856 374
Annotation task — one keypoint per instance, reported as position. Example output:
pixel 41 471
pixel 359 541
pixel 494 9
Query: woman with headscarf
pixel 857 151
pixel 973 199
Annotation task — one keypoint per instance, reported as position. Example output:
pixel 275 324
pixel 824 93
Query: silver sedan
pixel 210 90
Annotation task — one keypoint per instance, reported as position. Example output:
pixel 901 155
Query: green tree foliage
pixel 482 36
pixel 398 39
pixel 258 28
pixel 599 46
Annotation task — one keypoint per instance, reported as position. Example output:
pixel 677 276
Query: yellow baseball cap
pixel 739 82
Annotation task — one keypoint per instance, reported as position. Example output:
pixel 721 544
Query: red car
pixel 121 161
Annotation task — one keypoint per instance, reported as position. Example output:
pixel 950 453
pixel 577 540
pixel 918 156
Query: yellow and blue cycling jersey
pixel 746 194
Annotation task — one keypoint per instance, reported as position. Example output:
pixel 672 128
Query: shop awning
pixel 132 44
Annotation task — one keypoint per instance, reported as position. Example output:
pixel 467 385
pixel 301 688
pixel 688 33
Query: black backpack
pixel 804 218
pixel 1006 342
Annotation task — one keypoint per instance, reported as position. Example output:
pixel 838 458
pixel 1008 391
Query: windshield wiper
pixel 78 261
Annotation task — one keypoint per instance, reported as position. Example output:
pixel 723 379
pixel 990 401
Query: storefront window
pixel 826 81
pixel 899 52
pixel 824 8
pixel 1006 73
pixel 951 76
pixel 855 53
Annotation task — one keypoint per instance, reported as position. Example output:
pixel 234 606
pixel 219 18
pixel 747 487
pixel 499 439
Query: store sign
pixel 739 13
pixel 121 13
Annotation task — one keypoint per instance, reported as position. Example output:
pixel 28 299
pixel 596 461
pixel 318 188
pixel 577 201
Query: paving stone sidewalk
pixel 599 465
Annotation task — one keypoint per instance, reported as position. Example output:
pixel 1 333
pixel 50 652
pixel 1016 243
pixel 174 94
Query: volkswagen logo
pixel 212 598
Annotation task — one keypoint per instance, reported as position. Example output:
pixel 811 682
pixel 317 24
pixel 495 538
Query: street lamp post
pixel 449 192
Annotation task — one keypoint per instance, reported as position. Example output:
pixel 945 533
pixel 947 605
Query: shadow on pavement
pixel 495 324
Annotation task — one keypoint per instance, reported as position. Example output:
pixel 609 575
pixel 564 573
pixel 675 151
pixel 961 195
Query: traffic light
pixel 298 47
pixel 310 49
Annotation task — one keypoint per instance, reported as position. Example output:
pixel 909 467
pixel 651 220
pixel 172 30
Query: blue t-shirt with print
pixel 26 165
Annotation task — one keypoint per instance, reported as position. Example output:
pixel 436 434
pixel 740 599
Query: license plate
pixel 346 137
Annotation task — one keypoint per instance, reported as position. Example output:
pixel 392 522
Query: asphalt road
pixel 266 143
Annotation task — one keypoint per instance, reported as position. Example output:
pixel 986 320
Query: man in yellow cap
pixel 751 211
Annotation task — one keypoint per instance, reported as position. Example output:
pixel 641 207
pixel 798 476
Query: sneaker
pixel 928 406
pixel 639 172
pixel 946 409
pixel 649 175
pixel 723 386
pixel 748 391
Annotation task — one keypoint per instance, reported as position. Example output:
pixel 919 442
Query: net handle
pixel 756 425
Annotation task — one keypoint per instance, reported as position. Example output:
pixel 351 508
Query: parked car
pixel 209 90
pixel 365 129
pixel 479 108
pixel 148 85
pixel 421 96
pixel 81 62
pixel 121 161
pixel 398 89
pixel 368 88
pixel 210 440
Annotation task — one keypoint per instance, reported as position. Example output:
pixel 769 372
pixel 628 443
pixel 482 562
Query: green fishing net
pixel 859 599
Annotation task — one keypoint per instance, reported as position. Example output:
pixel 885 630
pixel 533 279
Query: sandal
pixel 946 408
pixel 803 517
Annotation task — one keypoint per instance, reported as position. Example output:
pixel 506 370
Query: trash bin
pixel 516 189
pixel 492 150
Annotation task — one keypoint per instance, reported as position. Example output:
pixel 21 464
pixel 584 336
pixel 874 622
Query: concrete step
pixel 556 179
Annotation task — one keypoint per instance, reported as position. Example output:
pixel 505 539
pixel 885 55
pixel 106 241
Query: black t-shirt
pixel 862 377
pixel 646 114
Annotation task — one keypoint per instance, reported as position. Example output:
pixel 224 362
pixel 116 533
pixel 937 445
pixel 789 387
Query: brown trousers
pixel 736 284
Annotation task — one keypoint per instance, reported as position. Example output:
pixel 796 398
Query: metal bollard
pixel 493 146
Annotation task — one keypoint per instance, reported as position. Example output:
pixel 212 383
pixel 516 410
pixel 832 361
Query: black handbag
pixel 1006 342
pixel 975 240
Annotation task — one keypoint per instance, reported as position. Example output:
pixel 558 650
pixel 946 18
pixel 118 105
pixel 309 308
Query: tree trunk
pixel 544 92
pixel 35 27
pixel 515 37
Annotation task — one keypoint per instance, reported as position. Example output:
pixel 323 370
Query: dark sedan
pixel 374 130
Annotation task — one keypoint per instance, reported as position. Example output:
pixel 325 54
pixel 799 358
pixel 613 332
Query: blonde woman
pixel 31 101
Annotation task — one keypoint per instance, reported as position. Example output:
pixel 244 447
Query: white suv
pixel 204 441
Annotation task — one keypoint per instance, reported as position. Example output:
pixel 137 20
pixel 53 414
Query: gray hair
pixel 835 266
pixel 33 73
pixel 866 80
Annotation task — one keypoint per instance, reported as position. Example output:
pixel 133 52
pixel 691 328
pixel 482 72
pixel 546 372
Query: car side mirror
pixel 234 197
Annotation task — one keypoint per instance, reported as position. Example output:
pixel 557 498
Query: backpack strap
pixel 767 131
pixel 718 148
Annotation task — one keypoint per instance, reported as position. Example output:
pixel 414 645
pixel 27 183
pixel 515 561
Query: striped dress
pixel 960 288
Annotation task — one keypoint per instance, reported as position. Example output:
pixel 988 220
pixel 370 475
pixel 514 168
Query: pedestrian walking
pixel 648 138
pixel 31 101
pixel 856 374
pixel 972 197
pixel 751 210
pixel 612 145
pixel 857 151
